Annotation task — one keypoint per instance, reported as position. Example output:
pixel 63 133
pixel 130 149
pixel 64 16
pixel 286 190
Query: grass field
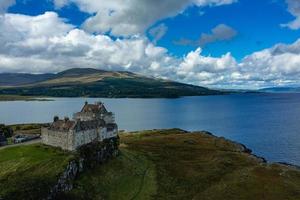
pixel 159 164
pixel 28 129
pixel 170 164
pixel 27 172
pixel 130 176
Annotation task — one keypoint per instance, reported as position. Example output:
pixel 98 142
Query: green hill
pixel 85 82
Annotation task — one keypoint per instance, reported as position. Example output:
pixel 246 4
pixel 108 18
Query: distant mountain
pixel 89 82
pixel 281 90
pixel 17 79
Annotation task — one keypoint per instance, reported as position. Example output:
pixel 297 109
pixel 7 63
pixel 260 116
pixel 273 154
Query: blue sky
pixel 256 21
pixel 217 43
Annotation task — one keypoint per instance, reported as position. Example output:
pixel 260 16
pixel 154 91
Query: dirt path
pixel 35 141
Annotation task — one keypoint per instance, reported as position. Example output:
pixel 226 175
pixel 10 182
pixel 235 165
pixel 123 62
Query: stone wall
pixel 109 118
pixel 60 139
pixel 71 140
pixel 89 156
pixel 87 136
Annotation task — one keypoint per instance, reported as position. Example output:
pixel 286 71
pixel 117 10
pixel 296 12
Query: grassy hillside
pixel 99 83
pixel 159 164
pixel 171 164
pixel 27 172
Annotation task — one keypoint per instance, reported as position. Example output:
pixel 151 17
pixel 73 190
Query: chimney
pixel 56 118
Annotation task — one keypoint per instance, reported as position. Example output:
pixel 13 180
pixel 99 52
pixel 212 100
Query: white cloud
pixel 30 44
pixel 276 66
pixel 221 32
pixel 158 32
pixel 130 17
pixel 5 4
pixel 60 3
pixel 206 70
pixel 294 9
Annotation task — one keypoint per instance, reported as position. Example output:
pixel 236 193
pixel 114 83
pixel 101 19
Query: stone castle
pixel 92 124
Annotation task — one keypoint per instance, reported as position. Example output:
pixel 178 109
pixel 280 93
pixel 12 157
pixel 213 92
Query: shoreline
pixel 12 98
pixel 243 148
pixel 7 98
pixel 250 152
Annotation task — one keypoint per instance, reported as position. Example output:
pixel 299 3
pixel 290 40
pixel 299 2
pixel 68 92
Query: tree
pixel 7 131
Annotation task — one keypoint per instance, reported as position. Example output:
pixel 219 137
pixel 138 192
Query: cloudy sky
pixel 214 43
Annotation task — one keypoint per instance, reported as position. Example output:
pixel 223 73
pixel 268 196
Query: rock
pixel 89 156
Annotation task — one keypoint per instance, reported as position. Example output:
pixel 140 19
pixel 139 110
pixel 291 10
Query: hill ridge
pixel 90 82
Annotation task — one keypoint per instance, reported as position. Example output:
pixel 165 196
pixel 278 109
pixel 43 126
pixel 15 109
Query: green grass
pixel 186 166
pixel 27 172
pixel 130 176
pixel 159 164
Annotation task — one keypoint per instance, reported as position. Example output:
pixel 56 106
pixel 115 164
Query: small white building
pixel 92 124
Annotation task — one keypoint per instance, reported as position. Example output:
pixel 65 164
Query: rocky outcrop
pixel 88 157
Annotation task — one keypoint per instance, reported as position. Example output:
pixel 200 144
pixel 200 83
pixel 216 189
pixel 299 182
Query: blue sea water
pixel 269 124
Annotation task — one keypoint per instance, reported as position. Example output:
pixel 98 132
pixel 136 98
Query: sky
pixel 237 44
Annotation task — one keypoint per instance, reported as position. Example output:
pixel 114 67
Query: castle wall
pixel 72 140
pixel 84 116
pixel 102 134
pixel 109 118
pixel 86 136
pixel 112 133
pixel 58 139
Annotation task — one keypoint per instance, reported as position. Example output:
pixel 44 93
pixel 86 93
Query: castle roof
pixel 87 125
pixel 62 125
pixel 67 125
pixel 94 108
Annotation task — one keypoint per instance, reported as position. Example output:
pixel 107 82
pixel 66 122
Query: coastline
pixel 48 98
pixel 186 162
pixel 27 127
pixel 243 147
pixel 7 98
pixel 249 151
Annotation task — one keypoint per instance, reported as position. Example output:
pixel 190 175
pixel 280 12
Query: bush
pixel 7 131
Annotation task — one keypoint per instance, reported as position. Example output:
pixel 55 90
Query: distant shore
pixel 22 98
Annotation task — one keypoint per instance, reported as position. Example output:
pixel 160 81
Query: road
pixel 35 141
